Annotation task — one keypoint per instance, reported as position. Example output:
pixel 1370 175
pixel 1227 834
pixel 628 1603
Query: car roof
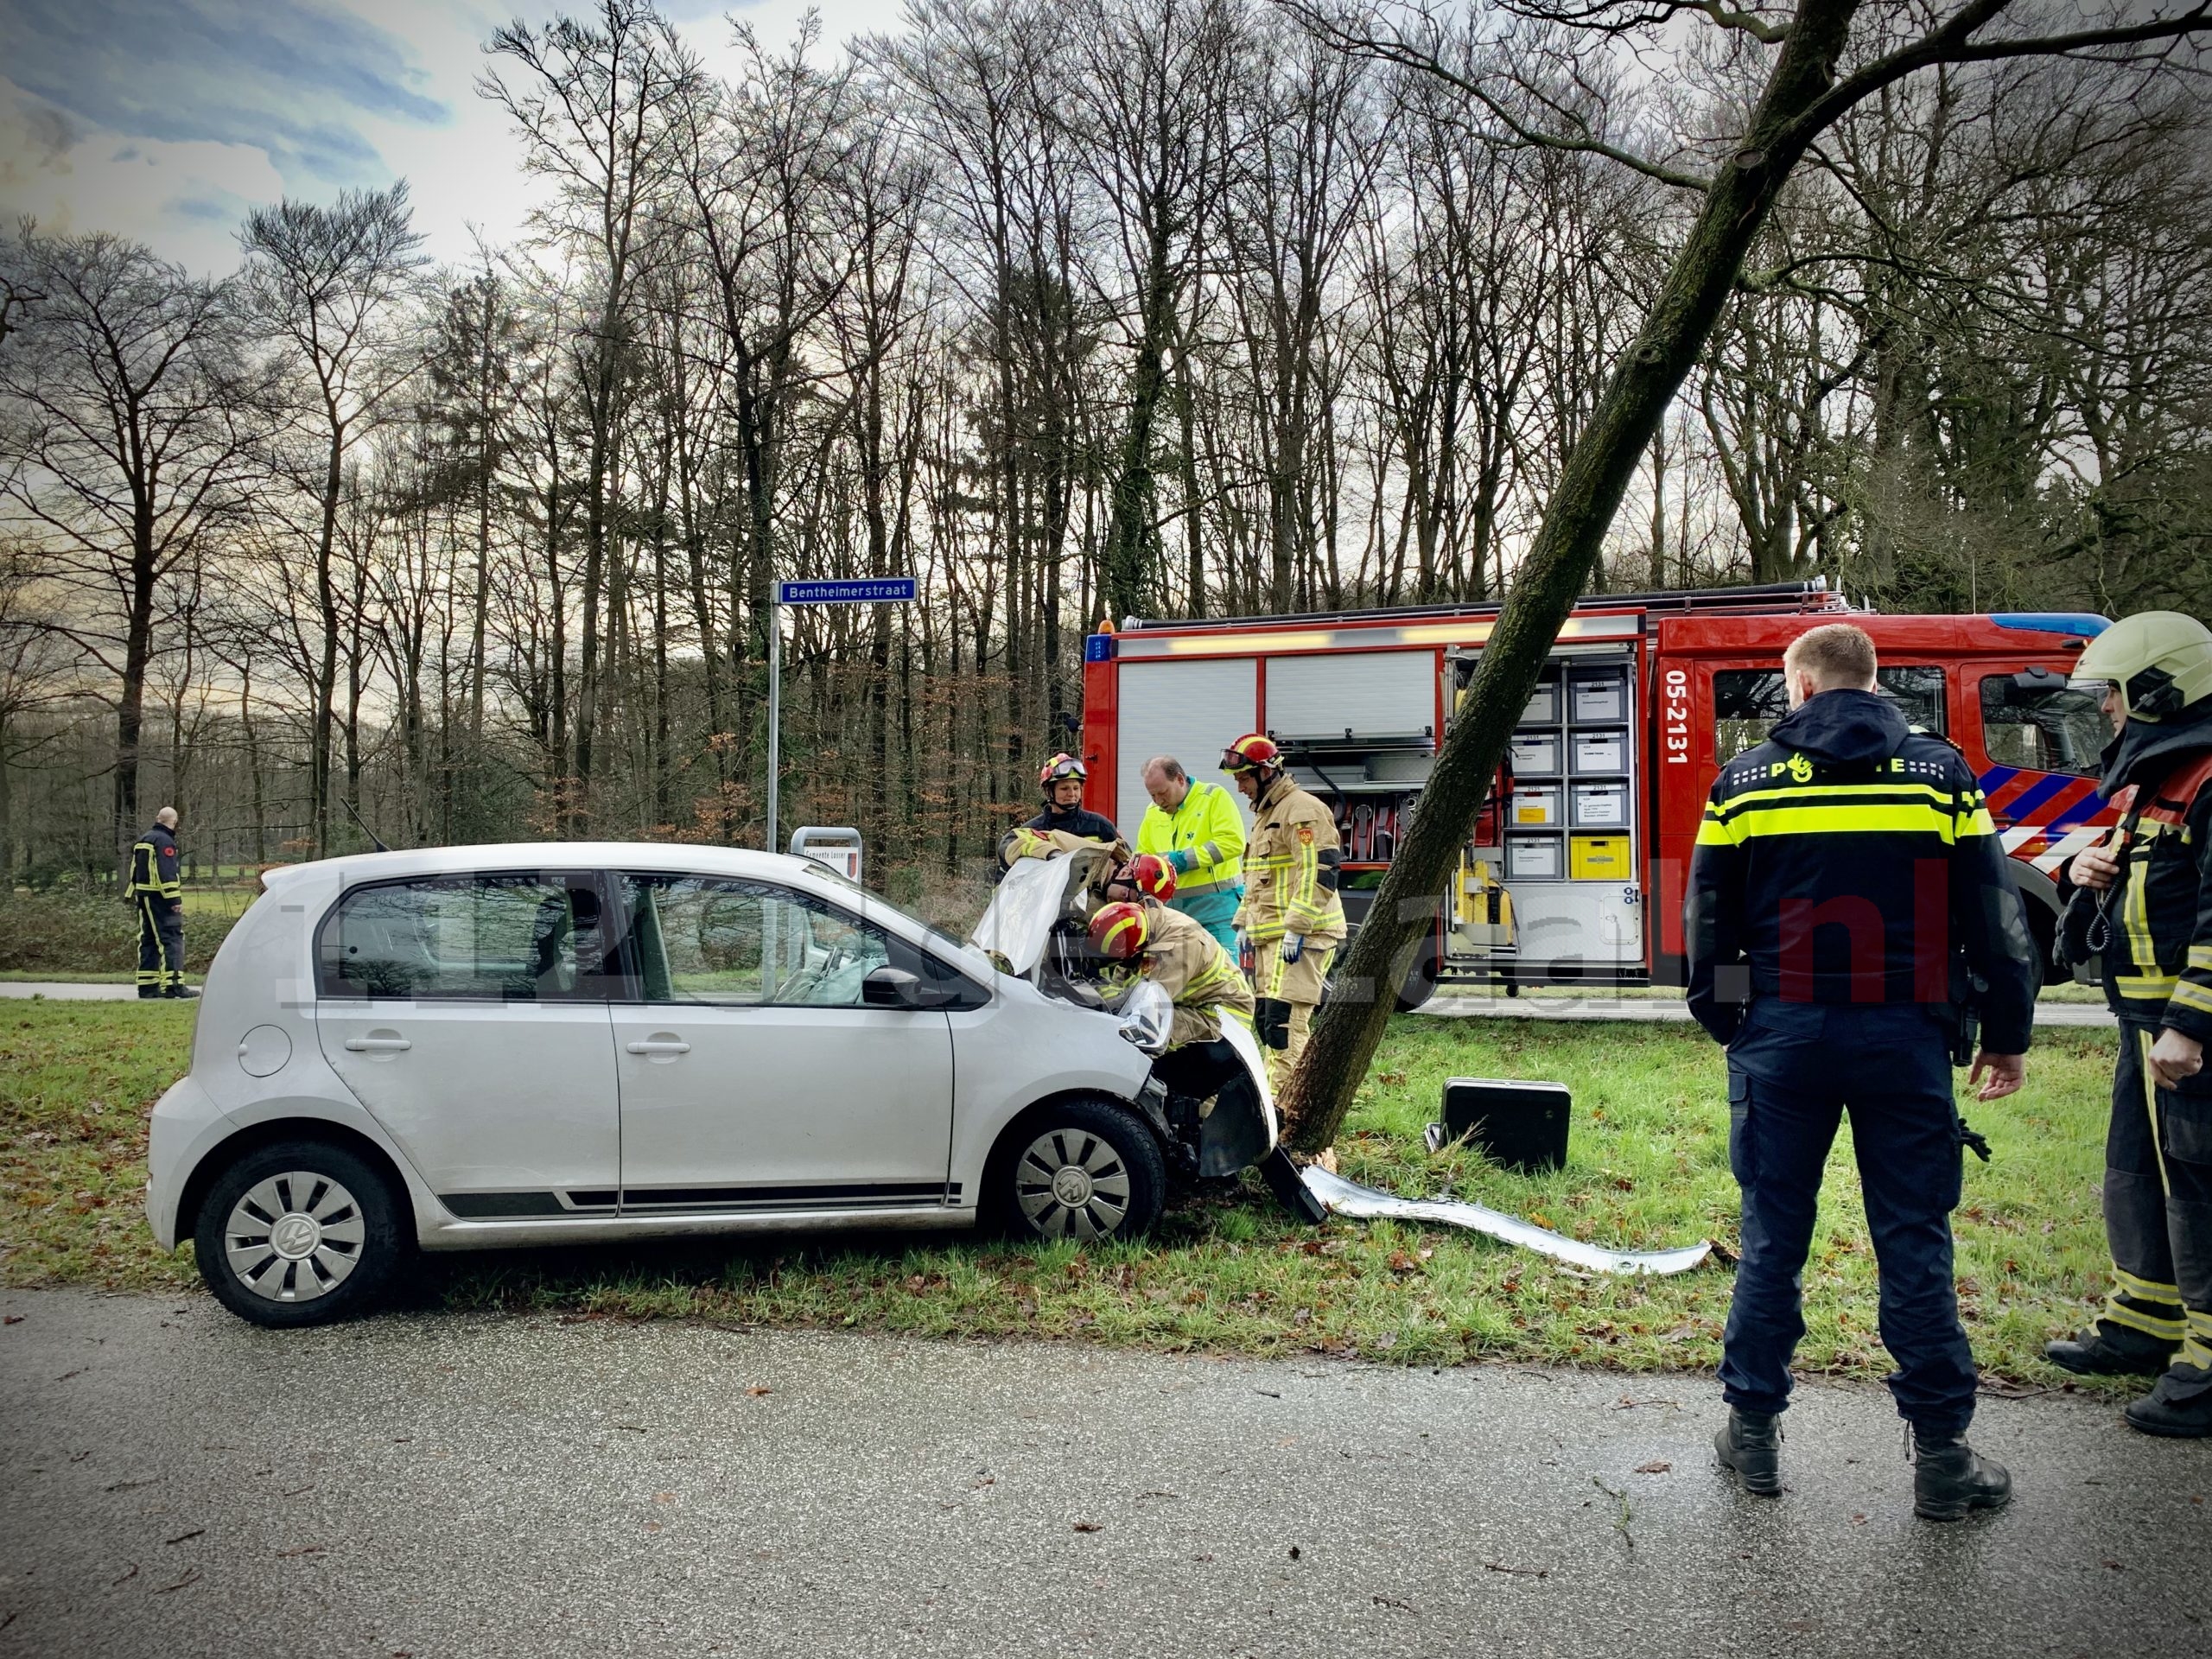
pixel 355 867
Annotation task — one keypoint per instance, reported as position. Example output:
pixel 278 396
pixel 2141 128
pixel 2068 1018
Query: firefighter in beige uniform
pixel 1291 921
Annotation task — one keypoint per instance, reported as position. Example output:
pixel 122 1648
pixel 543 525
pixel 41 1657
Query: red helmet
pixel 1120 931
pixel 1151 875
pixel 1251 751
pixel 1059 769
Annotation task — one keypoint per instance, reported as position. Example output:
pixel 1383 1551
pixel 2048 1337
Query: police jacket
pixel 1850 860
pixel 1290 868
pixel 1208 829
pixel 2157 943
pixel 154 869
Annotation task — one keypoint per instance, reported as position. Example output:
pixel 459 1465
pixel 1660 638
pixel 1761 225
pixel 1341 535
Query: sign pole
pixel 775 705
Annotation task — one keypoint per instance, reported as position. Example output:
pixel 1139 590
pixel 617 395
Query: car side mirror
pixel 891 988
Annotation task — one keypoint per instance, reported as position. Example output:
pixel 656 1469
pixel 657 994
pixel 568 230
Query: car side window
pixel 1747 702
pixel 518 937
pixel 722 940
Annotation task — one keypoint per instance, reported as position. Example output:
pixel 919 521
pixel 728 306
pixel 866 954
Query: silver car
pixel 484 1046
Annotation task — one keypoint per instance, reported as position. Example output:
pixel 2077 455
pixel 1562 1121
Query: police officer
pixel 1847 879
pixel 1291 920
pixel 2147 893
pixel 157 893
pixel 1197 827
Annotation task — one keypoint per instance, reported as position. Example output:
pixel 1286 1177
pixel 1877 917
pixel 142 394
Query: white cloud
pixel 185 199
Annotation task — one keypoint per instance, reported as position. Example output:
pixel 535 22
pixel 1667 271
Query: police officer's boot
pixel 1950 1478
pixel 2094 1354
pixel 1751 1444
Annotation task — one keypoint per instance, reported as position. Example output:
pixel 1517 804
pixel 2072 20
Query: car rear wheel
pixel 1079 1170
pixel 303 1232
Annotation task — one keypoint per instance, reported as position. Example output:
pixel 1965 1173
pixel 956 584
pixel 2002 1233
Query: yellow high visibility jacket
pixel 1209 829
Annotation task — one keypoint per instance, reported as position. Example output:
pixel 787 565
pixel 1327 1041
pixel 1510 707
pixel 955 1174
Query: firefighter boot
pixel 1950 1478
pixel 2094 1354
pixel 1751 1446
pixel 2186 1418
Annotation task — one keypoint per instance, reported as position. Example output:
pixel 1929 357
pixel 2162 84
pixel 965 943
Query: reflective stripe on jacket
pixel 1290 868
pixel 1847 861
pixel 1207 825
pixel 154 865
pixel 2158 959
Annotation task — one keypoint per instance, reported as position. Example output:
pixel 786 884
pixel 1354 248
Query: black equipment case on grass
pixel 1522 1125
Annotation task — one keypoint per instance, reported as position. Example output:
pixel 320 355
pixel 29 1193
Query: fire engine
pixel 1575 869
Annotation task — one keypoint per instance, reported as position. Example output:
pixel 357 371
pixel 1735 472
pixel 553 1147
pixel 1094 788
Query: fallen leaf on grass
pixel 12 1319
pixel 758 1390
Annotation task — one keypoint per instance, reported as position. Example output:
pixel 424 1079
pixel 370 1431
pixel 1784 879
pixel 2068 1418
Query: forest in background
pixel 1072 309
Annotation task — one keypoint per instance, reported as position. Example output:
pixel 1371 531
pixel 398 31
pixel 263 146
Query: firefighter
pixel 1847 880
pixel 157 894
pixel 1197 827
pixel 1179 956
pixel 1061 779
pixel 2147 891
pixel 1201 980
pixel 1291 920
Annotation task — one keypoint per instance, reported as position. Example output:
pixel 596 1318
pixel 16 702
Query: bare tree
pixel 132 423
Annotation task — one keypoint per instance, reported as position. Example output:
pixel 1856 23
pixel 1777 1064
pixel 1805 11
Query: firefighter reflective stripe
pixel 1845 809
pixel 2152 1317
pixel 2187 994
pixel 2144 1289
pixel 2196 1349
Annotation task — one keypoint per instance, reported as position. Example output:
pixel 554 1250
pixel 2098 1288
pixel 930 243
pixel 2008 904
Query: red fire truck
pixel 1575 869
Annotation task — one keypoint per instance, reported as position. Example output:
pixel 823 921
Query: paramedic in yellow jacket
pixel 1291 921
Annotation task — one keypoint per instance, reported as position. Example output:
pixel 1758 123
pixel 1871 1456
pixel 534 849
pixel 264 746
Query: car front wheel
pixel 300 1233
pixel 1081 1170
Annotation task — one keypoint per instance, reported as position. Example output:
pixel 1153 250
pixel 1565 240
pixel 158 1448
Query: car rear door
pixel 468 1013
pixel 753 1077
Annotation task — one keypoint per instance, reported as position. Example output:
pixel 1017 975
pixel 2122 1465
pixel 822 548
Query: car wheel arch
pixel 271 1132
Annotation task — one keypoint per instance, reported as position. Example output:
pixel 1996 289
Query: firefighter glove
pixel 1293 946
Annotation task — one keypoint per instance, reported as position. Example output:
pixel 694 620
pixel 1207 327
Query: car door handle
pixel 660 1046
pixel 376 1044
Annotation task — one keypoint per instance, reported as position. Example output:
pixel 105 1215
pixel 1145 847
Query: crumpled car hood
pixel 1019 920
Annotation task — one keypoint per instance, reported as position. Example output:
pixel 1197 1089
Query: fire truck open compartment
pixel 1574 870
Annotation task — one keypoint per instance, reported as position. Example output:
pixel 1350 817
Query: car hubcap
pixel 294 1236
pixel 1072 1184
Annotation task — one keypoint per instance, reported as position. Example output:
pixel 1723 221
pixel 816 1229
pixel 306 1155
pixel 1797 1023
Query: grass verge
pixel 1226 1272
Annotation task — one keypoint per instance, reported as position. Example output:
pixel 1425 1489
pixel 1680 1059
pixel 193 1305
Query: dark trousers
pixel 161 943
pixel 1794 1070
pixel 2159 1216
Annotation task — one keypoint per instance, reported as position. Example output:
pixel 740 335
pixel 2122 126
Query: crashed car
pixel 468 1048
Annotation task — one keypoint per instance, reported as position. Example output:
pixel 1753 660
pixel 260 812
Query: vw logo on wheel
pixel 1072 1187
pixel 294 1236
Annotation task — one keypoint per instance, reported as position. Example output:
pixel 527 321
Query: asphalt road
pixel 431 1484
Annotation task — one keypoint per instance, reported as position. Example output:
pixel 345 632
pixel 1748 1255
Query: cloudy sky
pixel 166 119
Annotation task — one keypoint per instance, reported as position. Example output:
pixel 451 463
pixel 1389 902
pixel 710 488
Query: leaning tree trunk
pixel 1599 469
